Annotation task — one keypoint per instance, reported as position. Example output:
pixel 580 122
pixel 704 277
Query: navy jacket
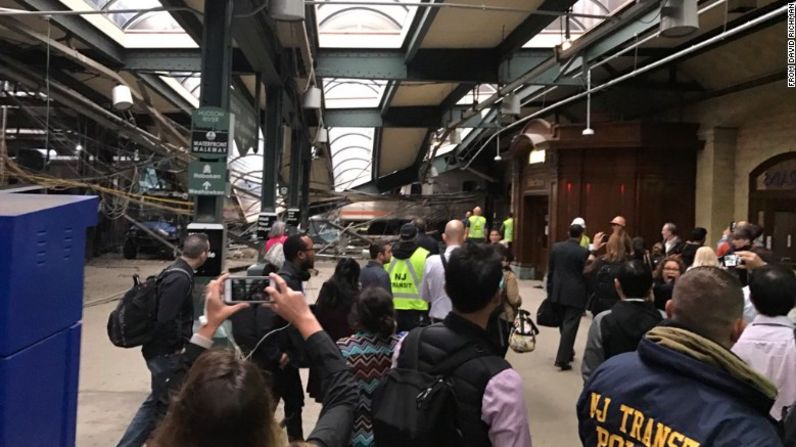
pixel 657 396
pixel 374 275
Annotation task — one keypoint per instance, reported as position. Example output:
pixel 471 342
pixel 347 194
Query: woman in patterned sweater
pixel 369 354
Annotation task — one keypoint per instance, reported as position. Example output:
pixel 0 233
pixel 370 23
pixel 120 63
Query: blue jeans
pixel 154 407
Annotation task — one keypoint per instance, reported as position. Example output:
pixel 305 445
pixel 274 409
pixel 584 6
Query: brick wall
pixel 765 123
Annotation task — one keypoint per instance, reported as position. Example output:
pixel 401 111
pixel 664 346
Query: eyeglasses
pixel 671 269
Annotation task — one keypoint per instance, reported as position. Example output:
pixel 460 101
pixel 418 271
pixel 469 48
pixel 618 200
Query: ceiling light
pixel 498 158
pixel 588 131
pixel 78 147
pixel 679 18
pixel 567 44
pixel 312 98
pixel 287 10
pixel 510 105
pixel 122 97
pixel 322 136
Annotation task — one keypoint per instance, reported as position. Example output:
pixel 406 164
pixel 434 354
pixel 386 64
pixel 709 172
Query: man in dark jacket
pixel 491 410
pixel 281 353
pixel 374 275
pixel 172 331
pixel 695 240
pixel 566 287
pixel 620 328
pixel 683 386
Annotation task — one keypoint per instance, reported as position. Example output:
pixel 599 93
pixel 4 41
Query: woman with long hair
pixel 603 271
pixel 333 308
pixel 369 354
pixel 667 273
pixel 224 401
pixel 336 298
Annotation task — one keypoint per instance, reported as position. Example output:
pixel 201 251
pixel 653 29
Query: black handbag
pixel 547 314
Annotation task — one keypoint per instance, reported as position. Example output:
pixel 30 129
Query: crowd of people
pixel 410 348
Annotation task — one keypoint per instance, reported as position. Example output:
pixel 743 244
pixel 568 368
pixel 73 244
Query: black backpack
pixel 132 323
pixel 417 408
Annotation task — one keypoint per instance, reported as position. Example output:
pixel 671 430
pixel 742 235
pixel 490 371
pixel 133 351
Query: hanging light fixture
pixel 287 10
pixel 679 18
pixel 510 105
pixel 588 131
pixel 567 43
pixel 497 148
pixel 312 98
pixel 322 136
pixel 122 97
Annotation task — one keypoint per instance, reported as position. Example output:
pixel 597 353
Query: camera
pixel 247 289
pixel 732 260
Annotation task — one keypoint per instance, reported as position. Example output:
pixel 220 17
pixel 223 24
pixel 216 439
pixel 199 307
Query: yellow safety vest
pixel 406 275
pixel 477 226
pixel 508 230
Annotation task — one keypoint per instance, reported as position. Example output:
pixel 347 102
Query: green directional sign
pixel 207 178
pixel 210 132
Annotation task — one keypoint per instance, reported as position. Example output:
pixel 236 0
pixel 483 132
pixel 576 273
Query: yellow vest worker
pixel 508 230
pixel 477 227
pixel 406 276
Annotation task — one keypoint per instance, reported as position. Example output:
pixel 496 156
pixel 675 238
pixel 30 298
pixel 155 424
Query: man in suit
pixel 567 290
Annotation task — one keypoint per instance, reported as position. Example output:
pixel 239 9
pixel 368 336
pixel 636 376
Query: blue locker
pixel 42 244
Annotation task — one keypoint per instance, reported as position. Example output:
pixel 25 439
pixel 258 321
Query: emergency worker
pixel 476 231
pixel 406 276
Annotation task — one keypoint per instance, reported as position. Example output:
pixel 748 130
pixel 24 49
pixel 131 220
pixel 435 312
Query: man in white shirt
pixel 433 287
pixel 768 344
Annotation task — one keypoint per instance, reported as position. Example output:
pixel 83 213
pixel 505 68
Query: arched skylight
pixel 365 26
pixel 148 22
pixel 554 34
pixel 352 155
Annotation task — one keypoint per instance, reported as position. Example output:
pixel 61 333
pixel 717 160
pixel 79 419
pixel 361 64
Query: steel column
pixel 273 146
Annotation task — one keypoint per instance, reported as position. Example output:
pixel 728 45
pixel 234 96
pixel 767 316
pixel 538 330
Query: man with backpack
pixel 450 386
pixel 171 331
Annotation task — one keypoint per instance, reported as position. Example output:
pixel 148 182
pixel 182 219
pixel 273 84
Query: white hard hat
pixel 578 221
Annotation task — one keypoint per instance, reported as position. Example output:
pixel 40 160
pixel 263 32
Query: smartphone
pixel 731 260
pixel 605 238
pixel 247 289
pixel 733 224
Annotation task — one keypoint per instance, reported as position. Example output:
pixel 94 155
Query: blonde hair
pixel 705 257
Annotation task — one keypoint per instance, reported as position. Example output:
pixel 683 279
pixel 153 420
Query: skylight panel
pixel 555 33
pixel 364 26
pixel 352 93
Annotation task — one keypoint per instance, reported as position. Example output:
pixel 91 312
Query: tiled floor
pixel 114 381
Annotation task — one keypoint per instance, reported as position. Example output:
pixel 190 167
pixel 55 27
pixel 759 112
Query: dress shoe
pixel 563 366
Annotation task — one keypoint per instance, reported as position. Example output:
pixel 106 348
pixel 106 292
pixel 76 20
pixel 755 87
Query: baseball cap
pixel 408 231
pixel 578 221
pixel 619 220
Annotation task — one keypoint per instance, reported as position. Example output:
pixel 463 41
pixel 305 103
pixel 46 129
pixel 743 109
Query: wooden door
pixel 783 236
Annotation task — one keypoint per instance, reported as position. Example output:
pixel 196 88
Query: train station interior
pixel 126 126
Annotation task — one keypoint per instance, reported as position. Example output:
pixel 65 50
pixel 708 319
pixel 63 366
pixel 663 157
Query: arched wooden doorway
pixel 772 204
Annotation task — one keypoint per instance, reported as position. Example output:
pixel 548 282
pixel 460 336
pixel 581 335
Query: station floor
pixel 114 381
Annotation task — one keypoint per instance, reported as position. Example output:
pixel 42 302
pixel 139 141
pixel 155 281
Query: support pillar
pixel 715 182
pixel 273 147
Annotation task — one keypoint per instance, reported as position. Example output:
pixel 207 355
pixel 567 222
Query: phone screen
pixel 247 289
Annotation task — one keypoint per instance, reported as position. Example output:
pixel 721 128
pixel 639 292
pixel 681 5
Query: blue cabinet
pixel 42 243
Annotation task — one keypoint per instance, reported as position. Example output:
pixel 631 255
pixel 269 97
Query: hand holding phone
pixel 247 289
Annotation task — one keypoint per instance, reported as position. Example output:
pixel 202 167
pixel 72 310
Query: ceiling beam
pixel 532 26
pixel 178 59
pixel 417 32
pixel 442 65
pixel 154 82
pixel 112 51
pixel 400 117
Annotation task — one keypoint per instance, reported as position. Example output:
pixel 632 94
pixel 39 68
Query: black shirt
pixel 175 311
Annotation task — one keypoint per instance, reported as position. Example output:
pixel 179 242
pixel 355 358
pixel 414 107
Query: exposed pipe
pixel 25 12
pixel 672 57
pixel 620 53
